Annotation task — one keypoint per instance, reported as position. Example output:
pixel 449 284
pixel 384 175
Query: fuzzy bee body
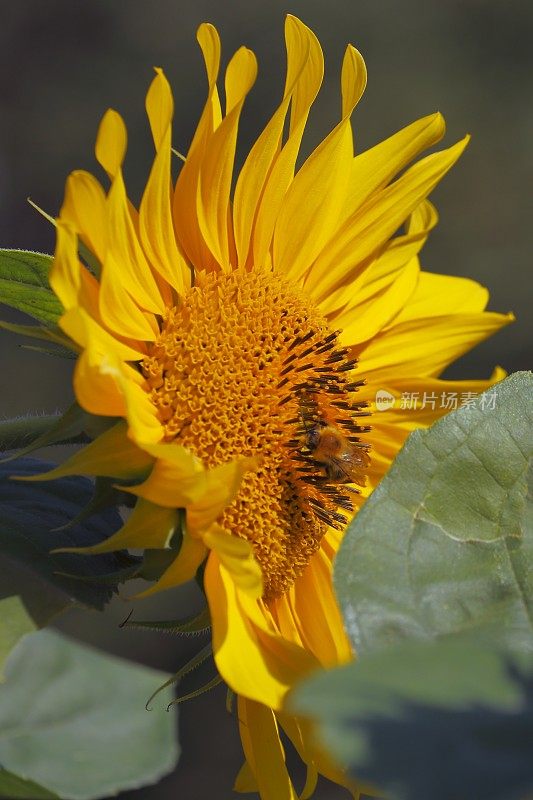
pixel 339 459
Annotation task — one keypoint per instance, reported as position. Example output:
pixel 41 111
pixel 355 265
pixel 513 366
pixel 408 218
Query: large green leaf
pixel 12 787
pixel 73 720
pixel 24 285
pixel 430 720
pixel 441 545
pixel 15 622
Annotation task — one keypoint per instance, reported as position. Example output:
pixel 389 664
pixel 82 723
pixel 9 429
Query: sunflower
pixel 238 338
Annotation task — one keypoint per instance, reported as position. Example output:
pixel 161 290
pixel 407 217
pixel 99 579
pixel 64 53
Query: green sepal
pixel 107 579
pixel 53 335
pixel 203 655
pixel 24 285
pixel 105 495
pixel 155 562
pixel 56 350
pixel 67 428
pixel 196 623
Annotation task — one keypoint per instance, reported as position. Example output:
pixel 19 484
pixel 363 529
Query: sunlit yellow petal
pixel 252 661
pixel 237 556
pixel 111 455
pixel 182 569
pixel 305 91
pixel 148 526
pixel 375 222
pixel 84 209
pixel 265 751
pixel 187 187
pixel 111 142
pixel 156 227
pixel 310 210
pixel 216 172
pixel 257 166
pixel 374 168
pixel 437 295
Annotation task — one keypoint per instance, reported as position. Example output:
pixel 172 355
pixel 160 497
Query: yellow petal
pixel 420 401
pixel 221 485
pixel 65 272
pixel 120 311
pixel 425 346
pixel 375 168
pixel 259 161
pixel 111 142
pixel 263 749
pixel 238 558
pixel 314 605
pixel 311 207
pixel 375 222
pixel 304 737
pixel 111 455
pixel 371 276
pixel 353 79
pixel 216 170
pixel 159 107
pixel 175 481
pixel 306 87
pixel 84 209
pixel 156 227
pixel 86 331
pixel 182 569
pixel 310 210
pixel 185 196
pixel 385 292
pixel 148 526
pixel 128 262
pixel 144 426
pixel 95 392
pixel 245 780
pixel 252 659
pixel 436 295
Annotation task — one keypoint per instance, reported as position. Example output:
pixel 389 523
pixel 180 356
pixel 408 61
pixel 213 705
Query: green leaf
pixel 73 720
pixel 15 622
pixel 439 720
pixel 24 285
pixel 441 545
pixel 12 787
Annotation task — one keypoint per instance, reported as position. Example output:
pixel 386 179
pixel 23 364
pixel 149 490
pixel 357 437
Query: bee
pixel 339 459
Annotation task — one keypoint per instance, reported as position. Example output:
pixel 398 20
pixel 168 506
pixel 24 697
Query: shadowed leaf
pixel 439 720
pixel 31 517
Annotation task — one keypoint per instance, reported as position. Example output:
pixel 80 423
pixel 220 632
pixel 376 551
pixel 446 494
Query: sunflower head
pixel 236 329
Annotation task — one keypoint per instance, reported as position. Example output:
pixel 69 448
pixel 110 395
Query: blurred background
pixel 63 63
